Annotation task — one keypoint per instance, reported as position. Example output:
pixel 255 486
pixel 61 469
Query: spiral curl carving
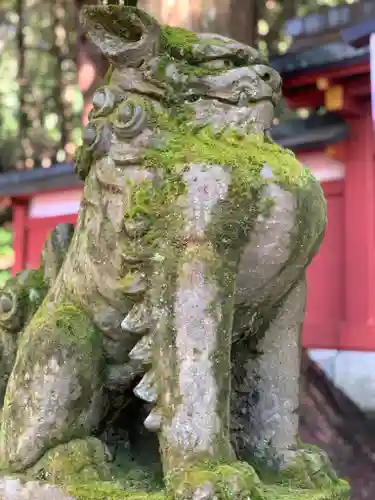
pixel 130 121
pixel 97 139
pixel 103 102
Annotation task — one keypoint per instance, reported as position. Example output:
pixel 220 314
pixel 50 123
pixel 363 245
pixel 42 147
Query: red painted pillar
pixel 358 331
pixel 19 234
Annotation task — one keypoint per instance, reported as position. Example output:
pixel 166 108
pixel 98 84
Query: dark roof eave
pixel 359 36
pixel 312 133
pixel 288 64
pixel 315 132
pixel 39 180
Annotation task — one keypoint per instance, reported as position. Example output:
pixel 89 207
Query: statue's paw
pixel 235 481
pixel 310 468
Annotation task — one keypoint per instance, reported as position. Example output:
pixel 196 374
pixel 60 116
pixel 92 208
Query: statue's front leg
pixel 195 363
pixel 193 351
pixel 193 294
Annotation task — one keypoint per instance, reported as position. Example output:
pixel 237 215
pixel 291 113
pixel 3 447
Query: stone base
pixel 285 493
pixel 80 470
pixel 14 489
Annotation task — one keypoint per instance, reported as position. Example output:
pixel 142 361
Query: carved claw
pixel 147 388
pixel 142 351
pixel 310 468
pixel 138 320
pixel 153 421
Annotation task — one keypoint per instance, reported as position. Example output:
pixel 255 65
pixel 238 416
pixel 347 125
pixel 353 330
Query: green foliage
pixel 6 255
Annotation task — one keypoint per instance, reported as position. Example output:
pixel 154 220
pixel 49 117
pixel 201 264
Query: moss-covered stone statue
pixel 180 301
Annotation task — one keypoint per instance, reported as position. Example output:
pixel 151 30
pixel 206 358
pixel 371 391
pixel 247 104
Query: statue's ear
pixel 55 249
pixel 126 35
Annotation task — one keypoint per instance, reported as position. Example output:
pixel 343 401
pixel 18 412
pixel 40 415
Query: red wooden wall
pixel 325 277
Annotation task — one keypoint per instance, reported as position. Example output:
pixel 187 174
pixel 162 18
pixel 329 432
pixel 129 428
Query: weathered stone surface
pixel 13 489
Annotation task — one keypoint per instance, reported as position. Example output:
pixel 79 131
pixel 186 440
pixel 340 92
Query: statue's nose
pixel 269 76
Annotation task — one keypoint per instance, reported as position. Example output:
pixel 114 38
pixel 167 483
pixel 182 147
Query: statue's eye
pixel 219 64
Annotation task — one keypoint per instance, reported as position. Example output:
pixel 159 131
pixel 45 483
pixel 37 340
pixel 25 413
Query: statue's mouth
pixel 256 116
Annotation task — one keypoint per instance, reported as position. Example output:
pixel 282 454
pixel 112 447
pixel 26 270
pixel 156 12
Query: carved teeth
pixel 138 320
pixel 142 351
pixel 147 388
pixel 153 421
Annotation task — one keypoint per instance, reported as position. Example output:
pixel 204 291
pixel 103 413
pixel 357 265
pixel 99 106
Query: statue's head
pixel 23 293
pixel 177 66
pixel 19 299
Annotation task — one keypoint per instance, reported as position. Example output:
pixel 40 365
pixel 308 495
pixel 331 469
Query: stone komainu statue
pixel 183 286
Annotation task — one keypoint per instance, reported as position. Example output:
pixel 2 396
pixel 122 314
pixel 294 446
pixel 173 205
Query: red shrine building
pixel 330 81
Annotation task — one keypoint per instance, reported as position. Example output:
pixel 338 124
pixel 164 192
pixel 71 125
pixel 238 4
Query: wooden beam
pixel 335 74
pixel 358 86
pixel 306 97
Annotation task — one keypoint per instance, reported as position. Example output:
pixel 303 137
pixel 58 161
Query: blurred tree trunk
pixel 243 20
pixel 237 19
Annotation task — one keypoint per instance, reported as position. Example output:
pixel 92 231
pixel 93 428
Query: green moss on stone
pixel 83 159
pixel 234 480
pixel 70 325
pixel 109 491
pixel 286 493
pixel 178 42
pixel 245 156
pixel 310 469
pixel 81 460
pixel 185 70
